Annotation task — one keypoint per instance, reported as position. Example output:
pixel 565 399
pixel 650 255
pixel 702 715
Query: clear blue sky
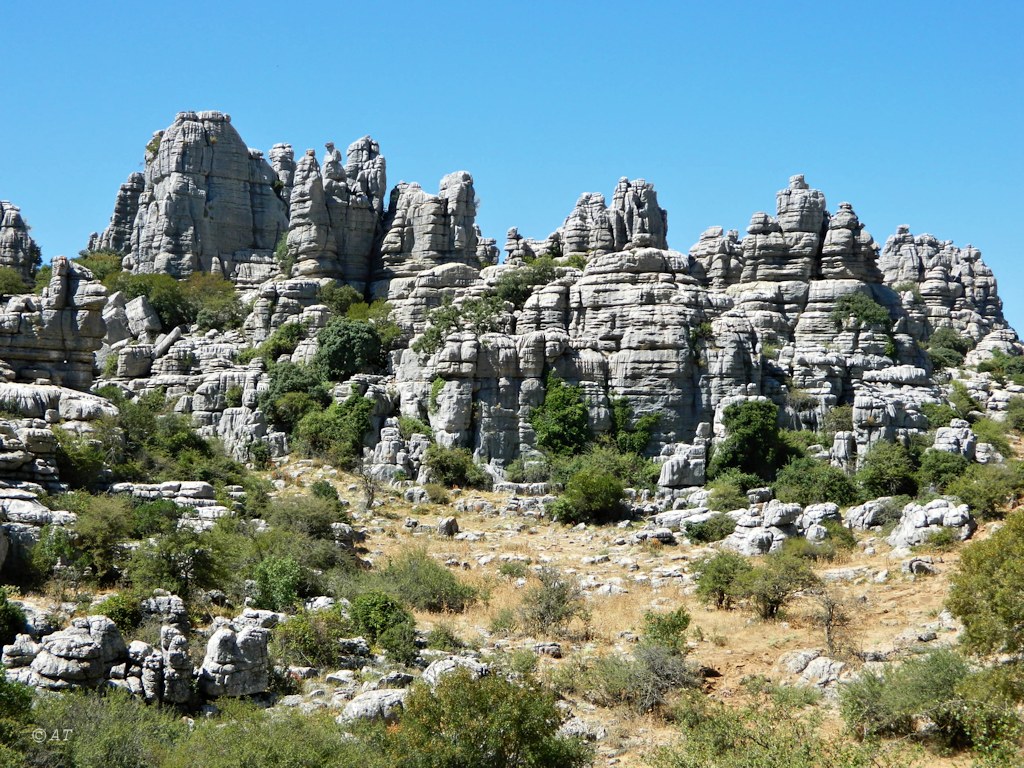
pixel 912 111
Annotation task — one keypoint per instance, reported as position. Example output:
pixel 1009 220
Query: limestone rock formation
pixel 236 662
pixel 17 248
pixel 81 655
pixel 208 205
pixel 52 337
pixel 282 160
pixel 118 234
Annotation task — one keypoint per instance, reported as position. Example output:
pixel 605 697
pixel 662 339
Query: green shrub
pixel 455 467
pixel 373 613
pixel 985 590
pixel 409 426
pixel 938 414
pixel 310 638
pixel 561 422
pixel 101 530
pixel 988 488
pixel 182 561
pixel 101 263
pixel 399 642
pixel 420 581
pixel 550 605
pixel 589 497
pixel 809 481
pixel 667 630
pixel 753 443
pixel 962 400
pixel 346 347
pixel 379 316
pixel 939 469
pixel 124 609
pixel 865 311
pixel 203 298
pixel 715 528
pixel 717 577
pixel 1015 414
pixel 488 722
pixel 12 619
pixel 436 493
pixel 888 470
pixel 936 686
pixel 943 357
pixel 1003 366
pixel 513 569
pixel 838 419
pixel 994 433
pixel 80 461
pixel 311 515
pixel 729 490
pixel 631 436
pixel 336 434
pixel 11 282
pixel 277 583
pixel 770 586
pixel 444 638
pixel 338 297
pixel 516 285
pixel 150 518
pixel 630 469
pixel 640 683
pixel 477 316
pixel 54 547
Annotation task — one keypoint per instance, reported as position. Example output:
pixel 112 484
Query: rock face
pixel 53 337
pixel 337 212
pixel 209 204
pixel 237 662
pixel 17 248
pixel 118 234
pixel 81 655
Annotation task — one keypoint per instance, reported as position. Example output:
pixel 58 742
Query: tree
pixel 809 481
pixel 346 347
pixel 561 422
pixel 717 577
pixel 753 443
pixel 589 497
pixel 985 592
pixel 888 470
pixel 770 585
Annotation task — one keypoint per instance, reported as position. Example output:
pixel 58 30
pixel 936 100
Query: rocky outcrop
pixel 17 248
pixel 52 337
pixel 209 204
pixel 81 655
pixel 282 160
pixel 337 213
pixel 236 663
pixel 118 234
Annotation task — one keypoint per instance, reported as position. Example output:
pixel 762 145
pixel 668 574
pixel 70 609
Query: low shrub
pixel 373 613
pixel 553 603
pixel 336 434
pixel 810 481
pixel 888 470
pixel 865 311
pixel 938 414
pixel 12 283
pixel 124 609
pixel 994 433
pixel 988 489
pixel 640 682
pixel 838 419
pixel 939 469
pixel 12 618
pixel 589 497
pixel 346 347
pixel 715 528
pixel 399 642
pixel 310 638
pixel 729 490
pixel 277 583
pixel 770 585
pixel 409 426
pixel 717 577
pixel 444 638
pixel 667 630
pixel 420 581
pixel 562 421
pixel 436 493
pixel 455 467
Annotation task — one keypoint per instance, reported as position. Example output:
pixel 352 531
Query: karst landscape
pixel 299 468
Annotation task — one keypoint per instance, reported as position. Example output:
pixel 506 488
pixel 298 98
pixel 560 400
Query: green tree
pixel 888 470
pixel 277 583
pixel 810 481
pixel 717 577
pixel 346 347
pixel 770 585
pixel 753 442
pixel 561 422
pixel 590 497
pixel 336 434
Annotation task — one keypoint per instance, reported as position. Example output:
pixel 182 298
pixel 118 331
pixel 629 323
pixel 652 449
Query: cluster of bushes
pixel 517 285
pixel 454 467
pixel 754 443
pixel 460 721
pixel 203 299
pixel 946 348
pixel 478 316
pixel 148 441
pixel 727 577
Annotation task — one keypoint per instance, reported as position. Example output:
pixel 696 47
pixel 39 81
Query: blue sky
pixel 912 111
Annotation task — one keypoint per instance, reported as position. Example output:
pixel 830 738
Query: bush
pixel 589 497
pixel 277 583
pixel 962 401
pixel 938 414
pixel 838 419
pixel 294 391
pixel 444 638
pixel 1003 366
pixel 182 562
pixel 409 426
pixel 865 311
pixel 12 619
pixel 809 481
pixel 753 444
pixel 311 515
pixel 336 434
pixel 399 642
pixel 985 590
pixel 988 488
pixel 516 285
pixel 994 433
pixel 101 263
pixel 769 586
pixel 641 682
pixel 888 470
pixel 419 580
pixel 631 436
pixel 203 298
pixel 338 297
pixel 553 603
pixel 373 613
pixel 455 467
pixel 283 341
pixel 124 609
pixel 487 722
pixel 667 630
pixel 11 282
pixel 310 638
pixel 477 316
pixel 729 490
pixel 1015 413
pixel 937 686
pixel 561 422
pixel 150 518
pixel 632 470
pixel 346 347
pixel 715 528
pixel 101 529
pixel 436 493
pixel 717 577
pixel 939 469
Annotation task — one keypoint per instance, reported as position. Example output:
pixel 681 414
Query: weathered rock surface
pixel 118 234
pixel 17 248
pixel 237 663
pixel 209 204
pixel 81 655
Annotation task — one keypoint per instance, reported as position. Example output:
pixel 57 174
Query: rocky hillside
pixel 177 404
